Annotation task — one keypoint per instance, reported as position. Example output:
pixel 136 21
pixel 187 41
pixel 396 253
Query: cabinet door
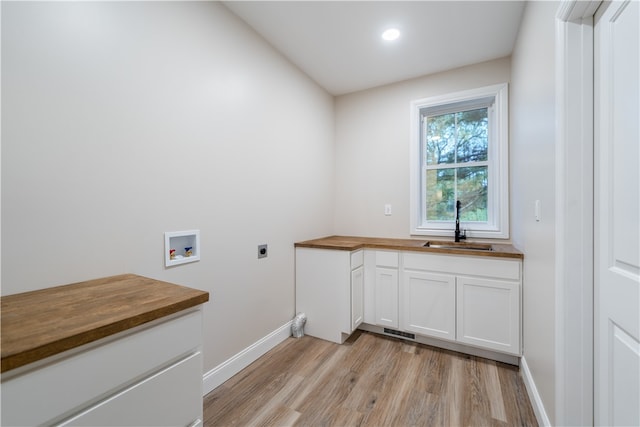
pixel 488 314
pixel 387 297
pixel 429 304
pixel 357 297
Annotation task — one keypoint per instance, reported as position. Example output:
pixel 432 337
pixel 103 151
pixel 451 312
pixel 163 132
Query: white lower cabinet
pixel 468 300
pixel 150 375
pixel 488 313
pixel 429 304
pixel 330 291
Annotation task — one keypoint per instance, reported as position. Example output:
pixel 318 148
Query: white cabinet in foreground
pixel 148 375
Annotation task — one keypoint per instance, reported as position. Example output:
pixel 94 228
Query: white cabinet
pixel 330 291
pixel 488 313
pixel 429 304
pixel 386 289
pixel 148 375
pixel 469 300
pixel 464 300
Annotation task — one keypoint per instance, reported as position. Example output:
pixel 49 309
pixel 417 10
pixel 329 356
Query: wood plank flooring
pixel 371 380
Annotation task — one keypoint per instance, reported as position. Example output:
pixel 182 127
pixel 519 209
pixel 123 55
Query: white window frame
pixel 497 225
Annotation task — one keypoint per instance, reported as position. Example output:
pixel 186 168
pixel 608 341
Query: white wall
pixel 533 178
pixel 372 147
pixel 123 120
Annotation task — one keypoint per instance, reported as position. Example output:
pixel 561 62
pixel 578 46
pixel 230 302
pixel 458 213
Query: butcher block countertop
pixel 43 323
pixel 348 243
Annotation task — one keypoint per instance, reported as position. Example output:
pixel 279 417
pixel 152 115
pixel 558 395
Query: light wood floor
pixel 371 380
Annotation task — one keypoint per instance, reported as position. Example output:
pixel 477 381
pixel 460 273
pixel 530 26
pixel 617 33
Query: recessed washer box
pixel 181 247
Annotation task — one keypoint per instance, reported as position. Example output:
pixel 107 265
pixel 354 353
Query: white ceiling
pixel 339 44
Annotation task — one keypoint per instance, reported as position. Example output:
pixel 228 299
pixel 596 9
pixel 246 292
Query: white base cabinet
pixel 330 291
pixel 466 300
pixel 469 300
pixel 150 375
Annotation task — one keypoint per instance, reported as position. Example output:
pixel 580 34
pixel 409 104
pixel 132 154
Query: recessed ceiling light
pixel 391 34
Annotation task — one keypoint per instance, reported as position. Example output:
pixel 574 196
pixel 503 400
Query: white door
pixel 430 304
pixel 616 215
pixel 357 297
pixel 488 313
pixel 387 297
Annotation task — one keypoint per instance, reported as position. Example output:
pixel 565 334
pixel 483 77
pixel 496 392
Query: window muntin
pixel 459 152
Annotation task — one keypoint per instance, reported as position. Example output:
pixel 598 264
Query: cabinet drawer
pixel 357 259
pixel 463 265
pixel 387 259
pixel 71 383
pixel 171 397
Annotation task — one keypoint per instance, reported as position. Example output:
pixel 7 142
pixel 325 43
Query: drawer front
pixel 357 259
pixel 464 265
pixel 69 384
pixel 387 259
pixel 172 397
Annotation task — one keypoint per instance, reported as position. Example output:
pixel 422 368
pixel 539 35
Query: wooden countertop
pixel 39 324
pixel 349 243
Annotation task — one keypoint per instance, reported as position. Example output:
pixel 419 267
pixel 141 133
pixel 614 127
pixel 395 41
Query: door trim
pixel 574 213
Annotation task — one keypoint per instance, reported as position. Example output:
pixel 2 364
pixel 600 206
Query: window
pixel 459 151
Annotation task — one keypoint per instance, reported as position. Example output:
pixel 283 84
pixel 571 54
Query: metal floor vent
pixel 399 333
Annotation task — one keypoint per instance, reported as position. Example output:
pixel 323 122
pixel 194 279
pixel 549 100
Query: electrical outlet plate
pixel 262 251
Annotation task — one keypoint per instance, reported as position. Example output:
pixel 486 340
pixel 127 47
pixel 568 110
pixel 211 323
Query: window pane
pixel 441 139
pixel 440 198
pixel 472 193
pixel 472 135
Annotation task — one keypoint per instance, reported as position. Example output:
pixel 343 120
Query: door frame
pixel 574 213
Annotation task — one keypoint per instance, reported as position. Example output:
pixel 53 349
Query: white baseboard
pixel 534 396
pixel 235 364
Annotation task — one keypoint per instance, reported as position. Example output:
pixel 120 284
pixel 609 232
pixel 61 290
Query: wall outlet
pixel 262 251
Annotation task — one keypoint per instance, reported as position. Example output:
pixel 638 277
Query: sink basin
pixel 458 245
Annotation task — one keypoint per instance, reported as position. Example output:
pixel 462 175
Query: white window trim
pixel 499 158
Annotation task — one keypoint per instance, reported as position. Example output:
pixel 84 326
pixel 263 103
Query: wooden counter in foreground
pixel 43 323
pixel 349 243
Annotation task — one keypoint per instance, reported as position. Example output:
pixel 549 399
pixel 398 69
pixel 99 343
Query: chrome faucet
pixel 459 236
